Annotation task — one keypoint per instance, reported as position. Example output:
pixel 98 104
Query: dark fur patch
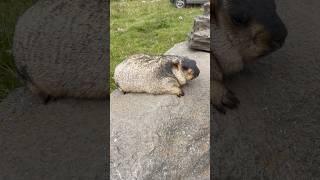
pixel 190 64
pixel 263 12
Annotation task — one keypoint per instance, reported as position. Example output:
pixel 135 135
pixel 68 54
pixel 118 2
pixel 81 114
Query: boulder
pixel 206 9
pixel 65 139
pixel 163 136
pixel 200 40
pixel 199 37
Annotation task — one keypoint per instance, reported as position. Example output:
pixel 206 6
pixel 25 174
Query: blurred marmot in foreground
pixel 241 32
pixel 60 48
pixel 155 74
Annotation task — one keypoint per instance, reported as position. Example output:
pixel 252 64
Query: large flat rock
pixel 163 136
pixel 65 139
pixel 275 132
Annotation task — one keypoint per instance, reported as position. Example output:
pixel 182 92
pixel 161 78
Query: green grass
pixel 150 26
pixel 9 12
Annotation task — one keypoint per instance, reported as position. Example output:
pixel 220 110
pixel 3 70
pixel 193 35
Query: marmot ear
pixel 176 63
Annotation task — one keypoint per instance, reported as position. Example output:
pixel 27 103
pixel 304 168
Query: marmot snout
pixel 155 74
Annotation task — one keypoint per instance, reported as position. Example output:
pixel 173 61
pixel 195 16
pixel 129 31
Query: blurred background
pixel 10 10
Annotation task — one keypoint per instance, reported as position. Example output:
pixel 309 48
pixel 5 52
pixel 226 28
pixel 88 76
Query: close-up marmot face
pixel 253 27
pixel 189 68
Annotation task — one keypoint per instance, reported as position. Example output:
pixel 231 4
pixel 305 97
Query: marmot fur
pixel 155 74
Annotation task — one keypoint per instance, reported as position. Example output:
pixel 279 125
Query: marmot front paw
pixel 222 98
pixel 180 94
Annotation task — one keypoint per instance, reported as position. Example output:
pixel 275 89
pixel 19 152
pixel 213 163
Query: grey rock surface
pixel 275 132
pixel 163 136
pixel 65 139
pixel 206 9
pixel 199 37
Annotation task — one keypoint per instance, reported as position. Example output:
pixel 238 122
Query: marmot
pixel 164 74
pixel 60 48
pixel 241 32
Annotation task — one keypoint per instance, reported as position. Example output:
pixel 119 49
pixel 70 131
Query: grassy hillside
pixel 146 26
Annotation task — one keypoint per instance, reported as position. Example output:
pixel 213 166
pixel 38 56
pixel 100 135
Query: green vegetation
pixel 149 26
pixel 9 12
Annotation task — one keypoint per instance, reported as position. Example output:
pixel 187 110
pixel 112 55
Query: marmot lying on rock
pixel 155 74
pixel 241 31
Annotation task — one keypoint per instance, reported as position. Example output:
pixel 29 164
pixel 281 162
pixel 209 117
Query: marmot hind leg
pixel 121 90
pixel 46 98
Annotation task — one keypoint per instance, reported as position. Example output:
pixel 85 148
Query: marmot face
pixel 252 27
pixel 189 68
pixel 241 31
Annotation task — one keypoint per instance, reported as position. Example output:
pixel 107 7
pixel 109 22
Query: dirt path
pixel 275 132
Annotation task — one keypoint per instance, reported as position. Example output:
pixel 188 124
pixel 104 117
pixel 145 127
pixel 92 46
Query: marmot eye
pixel 185 68
pixel 242 19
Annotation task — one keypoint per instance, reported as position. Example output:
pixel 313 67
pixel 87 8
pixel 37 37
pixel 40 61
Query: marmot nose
pixel 279 36
pixel 196 72
pixel 277 41
pixel 276 44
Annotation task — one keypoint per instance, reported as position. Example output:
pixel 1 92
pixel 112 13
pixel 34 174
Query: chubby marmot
pixel 60 48
pixel 164 74
pixel 241 32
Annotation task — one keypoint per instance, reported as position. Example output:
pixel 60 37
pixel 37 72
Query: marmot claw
pixel 222 98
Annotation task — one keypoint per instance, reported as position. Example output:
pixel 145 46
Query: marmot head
pixel 188 68
pixel 253 27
